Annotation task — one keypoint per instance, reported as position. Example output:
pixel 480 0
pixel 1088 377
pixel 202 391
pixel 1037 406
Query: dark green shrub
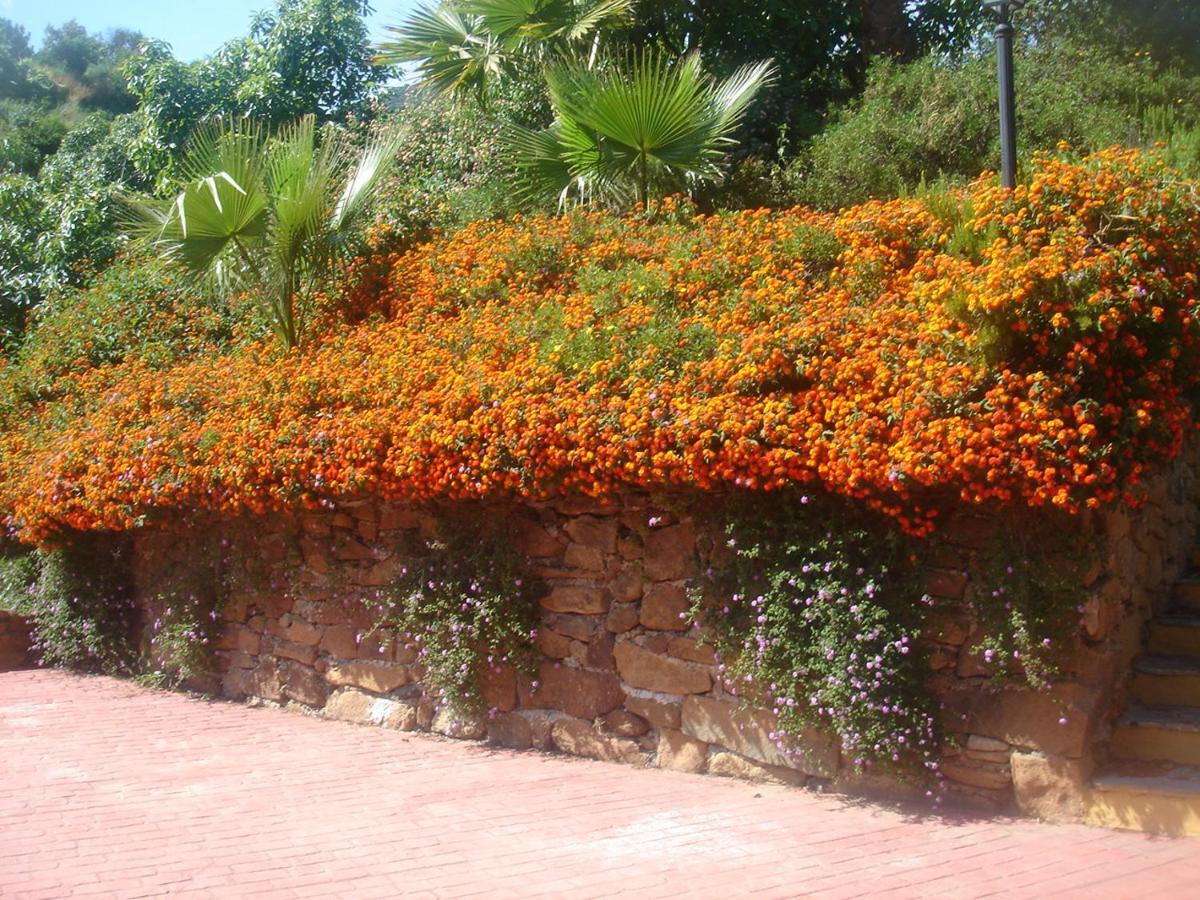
pixel 935 118
pixel 81 607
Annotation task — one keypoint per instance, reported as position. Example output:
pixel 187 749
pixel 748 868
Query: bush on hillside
pixel 935 119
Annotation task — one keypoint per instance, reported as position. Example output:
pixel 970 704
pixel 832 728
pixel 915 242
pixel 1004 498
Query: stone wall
pixel 15 642
pixel 623 678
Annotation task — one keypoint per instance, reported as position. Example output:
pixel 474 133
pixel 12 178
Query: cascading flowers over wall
pixel 1034 348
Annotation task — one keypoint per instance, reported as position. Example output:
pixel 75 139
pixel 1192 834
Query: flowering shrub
pixel 183 598
pixel 81 609
pixel 1032 347
pixel 462 601
pixel 813 618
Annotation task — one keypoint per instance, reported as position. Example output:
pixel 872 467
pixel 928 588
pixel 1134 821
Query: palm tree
pixel 623 127
pixel 269 214
pixel 471 46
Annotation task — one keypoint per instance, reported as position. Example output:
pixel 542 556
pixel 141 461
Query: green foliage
pixel 935 118
pixel 184 598
pixel 272 215
pixel 136 309
pixel 58 228
pixel 304 57
pixel 18 574
pixel 463 602
pixel 822 48
pixel 631 123
pixel 478 46
pixel 451 167
pixel 1027 597
pixel 815 614
pixel 82 613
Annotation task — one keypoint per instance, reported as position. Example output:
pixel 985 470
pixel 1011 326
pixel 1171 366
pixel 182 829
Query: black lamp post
pixel 1004 70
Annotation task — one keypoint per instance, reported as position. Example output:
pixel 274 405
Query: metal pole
pixel 1008 100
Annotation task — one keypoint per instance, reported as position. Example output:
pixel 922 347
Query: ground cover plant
pixel 978 347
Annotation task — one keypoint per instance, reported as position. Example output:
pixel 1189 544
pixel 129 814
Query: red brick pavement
pixel 111 790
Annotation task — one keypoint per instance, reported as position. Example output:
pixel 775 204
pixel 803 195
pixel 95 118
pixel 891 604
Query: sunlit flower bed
pixel 1037 347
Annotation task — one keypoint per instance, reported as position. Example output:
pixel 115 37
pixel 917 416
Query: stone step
pixel 1175 635
pixel 1169 733
pixel 1187 595
pixel 1167 680
pixel 1159 798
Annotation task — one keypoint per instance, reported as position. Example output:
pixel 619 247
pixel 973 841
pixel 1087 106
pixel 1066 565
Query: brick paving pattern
pixel 107 789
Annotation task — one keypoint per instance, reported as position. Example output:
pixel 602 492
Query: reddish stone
pixel 947 583
pixel 576 692
pixel 579 627
pixel 566 598
pixel 647 670
pixel 599 534
pixel 349 549
pixel 659 712
pixel 600 653
pixel 622 617
pixel 628 584
pixel 341 641
pixel 294 629
pixel 500 688
pixel 583 559
pixel 301 653
pixel 670 553
pixel 303 684
pixel 664 608
pixel 692 650
pixel 625 723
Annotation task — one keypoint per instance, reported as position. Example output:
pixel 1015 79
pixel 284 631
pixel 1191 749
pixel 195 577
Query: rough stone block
pixel 664 608
pixel 747 731
pixel 670 553
pixel 600 653
pixel 579 738
pixel 500 688
pixel 341 641
pixel 590 531
pixel 659 711
pixel 301 653
pixel 1059 721
pixel 458 725
pixel 622 617
pixel 1050 787
pixel 380 678
pixel 576 692
pixel 304 685
pixel 692 650
pixel 581 628
pixel 292 628
pixel 730 765
pixel 625 723
pixel 679 752
pixel 553 644
pixel 988 776
pixel 583 559
pixel 351 705
pixel 650 671
pixel 510 730
pixel 627 585
pixel 583 599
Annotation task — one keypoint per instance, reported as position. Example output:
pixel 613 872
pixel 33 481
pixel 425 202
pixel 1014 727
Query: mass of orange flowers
pixel 1036 346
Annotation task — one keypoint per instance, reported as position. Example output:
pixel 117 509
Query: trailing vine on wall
pixel 463 601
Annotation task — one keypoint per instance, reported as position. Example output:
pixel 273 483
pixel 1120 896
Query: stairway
pixel 1152 780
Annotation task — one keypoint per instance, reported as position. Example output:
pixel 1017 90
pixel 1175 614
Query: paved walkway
pixel 110 790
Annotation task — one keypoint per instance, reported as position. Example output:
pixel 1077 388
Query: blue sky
pixel 194 28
